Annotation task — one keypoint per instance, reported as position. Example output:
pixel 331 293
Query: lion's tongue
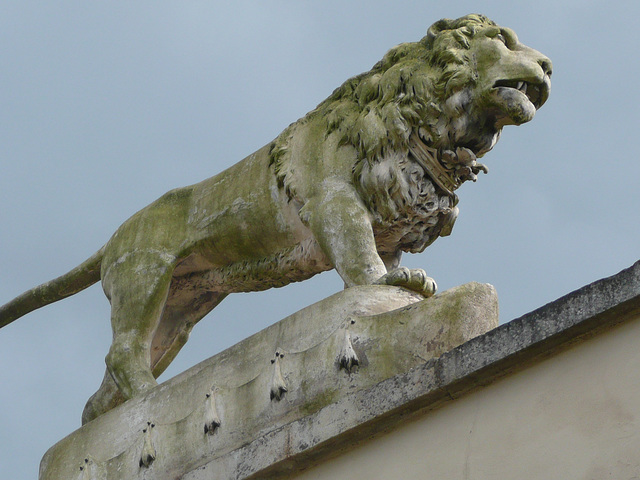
pixel 514 106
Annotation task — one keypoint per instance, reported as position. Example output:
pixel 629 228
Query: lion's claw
pixel 414 279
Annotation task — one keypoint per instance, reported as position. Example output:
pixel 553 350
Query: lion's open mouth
pixel 518 100
pixel 534 92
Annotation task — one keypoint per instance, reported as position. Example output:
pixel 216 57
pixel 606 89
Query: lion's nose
pixel 547 66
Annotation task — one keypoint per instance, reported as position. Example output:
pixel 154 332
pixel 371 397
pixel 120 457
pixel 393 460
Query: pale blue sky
pixel 107 105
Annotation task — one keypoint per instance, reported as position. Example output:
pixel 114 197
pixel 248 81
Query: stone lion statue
pixel 367 175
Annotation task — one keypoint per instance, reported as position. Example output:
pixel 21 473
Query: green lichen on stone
pixel 319 400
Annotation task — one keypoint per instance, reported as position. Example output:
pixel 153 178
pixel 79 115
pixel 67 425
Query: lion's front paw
pixel 414 279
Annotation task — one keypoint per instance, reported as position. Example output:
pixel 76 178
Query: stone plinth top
pixel 296 372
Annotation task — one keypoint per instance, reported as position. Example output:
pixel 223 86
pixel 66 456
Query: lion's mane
pixel 377 111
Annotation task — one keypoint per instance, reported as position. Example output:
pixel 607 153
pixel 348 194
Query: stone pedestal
pixel 221 414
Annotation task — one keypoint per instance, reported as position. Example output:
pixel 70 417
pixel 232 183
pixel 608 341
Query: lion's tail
pixel 81 277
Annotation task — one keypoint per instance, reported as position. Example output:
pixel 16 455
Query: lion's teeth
pixel 519 85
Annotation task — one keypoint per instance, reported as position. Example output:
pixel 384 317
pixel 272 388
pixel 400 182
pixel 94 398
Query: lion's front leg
pixel 415 279
pixel 342 226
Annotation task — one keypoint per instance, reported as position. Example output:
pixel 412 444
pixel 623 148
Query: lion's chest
pixel 409 212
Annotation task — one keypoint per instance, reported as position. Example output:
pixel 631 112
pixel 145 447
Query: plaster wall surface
pixel 575 415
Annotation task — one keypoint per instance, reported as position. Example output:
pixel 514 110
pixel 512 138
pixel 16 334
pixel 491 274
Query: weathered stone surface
pixel 218 409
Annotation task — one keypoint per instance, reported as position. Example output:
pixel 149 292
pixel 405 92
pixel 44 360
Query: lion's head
pixel 456 87
pixel 422 116
pixel 485 72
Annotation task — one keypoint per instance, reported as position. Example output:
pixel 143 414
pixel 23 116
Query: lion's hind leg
pixel 178 319
pixel 138 289
pixel 170 336
pixel 107 397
